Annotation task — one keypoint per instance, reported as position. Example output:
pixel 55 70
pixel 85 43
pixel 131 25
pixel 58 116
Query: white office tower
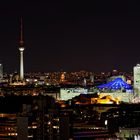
pixel 136 74
pixel 1 71
pixel 21 49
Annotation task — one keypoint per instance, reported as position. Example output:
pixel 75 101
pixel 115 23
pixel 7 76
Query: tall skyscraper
pixel 22 128
pixel 136 72
pixel 21 49
pixel 1 71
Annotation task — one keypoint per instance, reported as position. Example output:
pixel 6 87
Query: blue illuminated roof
pixel 116 84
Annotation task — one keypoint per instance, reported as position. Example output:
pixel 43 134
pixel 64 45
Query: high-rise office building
pixel 136 72
pixel 1 71
pixel 22 128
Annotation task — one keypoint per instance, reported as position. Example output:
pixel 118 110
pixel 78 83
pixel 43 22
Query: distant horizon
pixel 68 71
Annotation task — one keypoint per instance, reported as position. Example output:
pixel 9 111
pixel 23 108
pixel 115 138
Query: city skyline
pixel 70 36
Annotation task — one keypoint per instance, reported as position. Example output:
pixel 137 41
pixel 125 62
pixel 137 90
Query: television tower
pixel 21 49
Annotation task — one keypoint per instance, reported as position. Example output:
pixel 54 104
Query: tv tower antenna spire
pixel 21 32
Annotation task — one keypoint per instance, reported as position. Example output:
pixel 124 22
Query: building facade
pixel 136 74
pixel 1 71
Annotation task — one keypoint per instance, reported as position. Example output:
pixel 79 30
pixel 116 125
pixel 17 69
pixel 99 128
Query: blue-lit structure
pixel 116 84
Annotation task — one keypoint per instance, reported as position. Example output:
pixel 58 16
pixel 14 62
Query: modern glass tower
pixel 1 71
pixel 21 49
pixel 136 71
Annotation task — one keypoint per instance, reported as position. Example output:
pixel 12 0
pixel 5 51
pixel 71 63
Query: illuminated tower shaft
pixel 21 64
pixel 21 49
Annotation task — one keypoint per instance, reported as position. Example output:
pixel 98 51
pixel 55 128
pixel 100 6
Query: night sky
pixel 70 35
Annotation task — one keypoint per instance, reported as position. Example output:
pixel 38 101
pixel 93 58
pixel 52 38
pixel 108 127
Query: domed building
pixel 117 89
